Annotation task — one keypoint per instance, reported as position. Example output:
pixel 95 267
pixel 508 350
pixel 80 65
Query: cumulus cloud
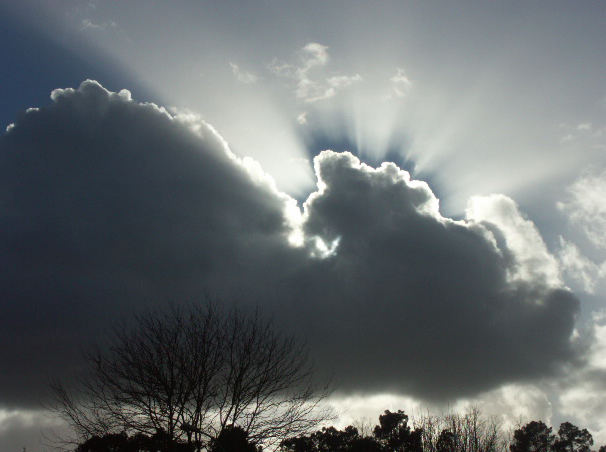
pixel 517 238
pixel 436 293
pixel 109 206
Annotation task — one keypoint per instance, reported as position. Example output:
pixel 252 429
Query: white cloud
pixel 400 83
pixel 87 24
pixel 582 396
pixel 312 84
pixel 518 235
pixel 584 273
pixel 586 208
pixel 313 54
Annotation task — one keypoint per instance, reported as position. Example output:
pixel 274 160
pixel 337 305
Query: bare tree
pixel 191 373
pixel 469 432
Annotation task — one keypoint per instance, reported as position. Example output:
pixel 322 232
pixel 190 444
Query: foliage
pixel 537 437
pixel 533 437
pixel 573 439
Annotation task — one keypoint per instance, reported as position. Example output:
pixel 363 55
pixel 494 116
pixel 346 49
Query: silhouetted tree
pixel 573 439
pixel 191 373
pixel 446 442
pixel 391 435
pixel 121 442
pixel 533 437
pixel 469 432
pixel 395 434
pixel 232 439
pixel 329 439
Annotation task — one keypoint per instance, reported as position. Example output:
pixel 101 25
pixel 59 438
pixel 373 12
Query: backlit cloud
pixel 110 206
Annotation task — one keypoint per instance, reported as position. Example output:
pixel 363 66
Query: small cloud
pixel 314 54
pixel 343 81
pixel 310 85
pixel 302 118
pixel 280 68
pixel 567 138
pixel 400 83
pixel 243 76
pixel 88 24
pixel 584 126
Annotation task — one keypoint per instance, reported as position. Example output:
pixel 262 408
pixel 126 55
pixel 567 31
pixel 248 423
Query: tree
pixel 446 441
pixel 468 432
pixel 394 433
pixel 191 373
pixel 533 437
pixel 573 439
pixel 121 442
pixel 391 435
pixel 232 439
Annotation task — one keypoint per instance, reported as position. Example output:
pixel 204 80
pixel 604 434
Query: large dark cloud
pixel 108 206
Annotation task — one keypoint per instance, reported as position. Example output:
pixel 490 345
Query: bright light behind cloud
pixel 476 100
pixel 273 86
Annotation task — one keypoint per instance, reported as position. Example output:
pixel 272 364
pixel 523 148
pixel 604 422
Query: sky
pixel 414 188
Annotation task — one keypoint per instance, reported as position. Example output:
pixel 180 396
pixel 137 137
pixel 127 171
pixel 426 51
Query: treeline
pixel 449 433
pixel 471 432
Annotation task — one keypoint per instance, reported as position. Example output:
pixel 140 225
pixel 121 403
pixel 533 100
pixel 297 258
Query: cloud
pixel 311 83
pixel 243 76
pixel 30 430
pixel 313 54
pixel 584 273
pixel 582 395
pixel 400 83
pixel 110 206
pixel 525 251
pixel 457 303
pixel 87 24
pixel 585 206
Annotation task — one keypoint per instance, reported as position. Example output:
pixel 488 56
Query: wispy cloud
pixel 243 76
pixel 400 83
pixel 585 206
pixel 312 84
pixel 88 24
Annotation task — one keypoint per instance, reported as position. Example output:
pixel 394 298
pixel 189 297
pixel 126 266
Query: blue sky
pixel 499 107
